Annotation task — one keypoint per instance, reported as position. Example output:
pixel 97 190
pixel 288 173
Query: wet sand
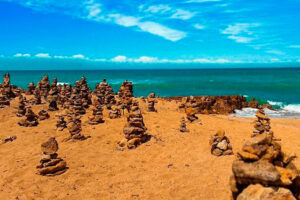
pixel 172 165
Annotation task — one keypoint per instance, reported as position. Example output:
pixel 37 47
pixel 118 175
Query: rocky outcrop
pixel 134 130
pixel 261 161
pixel 220 144
pixel 50 163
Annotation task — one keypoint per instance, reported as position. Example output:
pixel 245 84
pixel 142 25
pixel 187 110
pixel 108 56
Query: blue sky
pixel 152 31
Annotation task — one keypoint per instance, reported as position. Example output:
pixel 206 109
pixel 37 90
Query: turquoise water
pixel 278 86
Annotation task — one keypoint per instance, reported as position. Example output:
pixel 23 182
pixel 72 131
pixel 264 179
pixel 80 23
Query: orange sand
pixel 171 165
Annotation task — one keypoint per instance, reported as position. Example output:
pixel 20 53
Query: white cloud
pixel 79 56
pixel 294 46
pixel 43 55
pixel 276 52
pixel 149 26
pixel 240 32
pixel 146 59
pixel 274 60
pixel 240 39
pixel 119 59
pixel 22 55
pixel 182 14
pixel 201 1
pixel 158 8
pixel 93 10
pixel 198 26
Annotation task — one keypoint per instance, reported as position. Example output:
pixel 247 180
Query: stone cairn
pixel 126 89
pixel 31 88
pixel 85 93
pixel 105 94
pixel 191 109
pixel 50 163
pixel 115 112
pixel 263 171
pixel 30 119
pixel 6 89
pixel 21 109
pixel 65 95
pixel 74 127
pixel 75 103
pixel 53 98
pixel 43 115
pixel 97 112
pixel 36 97
pixel 134 130
pixel 44 86
pixel 61 124
pixel 4 101
pixel 220 144
pixel 151 103
pixel 262 123
pixel 183 126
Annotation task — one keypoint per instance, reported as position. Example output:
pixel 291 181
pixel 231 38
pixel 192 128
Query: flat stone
pixel 50 147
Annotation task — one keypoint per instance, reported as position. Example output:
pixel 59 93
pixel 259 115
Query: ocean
pixel 279 87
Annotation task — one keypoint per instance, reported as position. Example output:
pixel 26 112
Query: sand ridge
pixel 172 165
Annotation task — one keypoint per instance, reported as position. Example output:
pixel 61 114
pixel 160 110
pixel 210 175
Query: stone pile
pixel 134 130
pixel 30 119
pixel 105 94
pixel 31 88
pixel 74 127
pixel 220 144
pixel 65 95
pixel 21 109
pixel 53 98
pixel 61 124
pixel 97 116
pixel 262 123
pixel 126 90
pixel 115 112
pixel 43 115
pixel 6 89
pixel 151 103
pixel 4 101
pixel 263 171
pixel 191 109
pixel 85 93
pixel 44 86
pixel 183 126
pixel 36 100
pixel 50 163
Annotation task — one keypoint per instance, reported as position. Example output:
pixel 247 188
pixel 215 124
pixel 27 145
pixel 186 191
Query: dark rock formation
pixel 30 119
pixel 43 115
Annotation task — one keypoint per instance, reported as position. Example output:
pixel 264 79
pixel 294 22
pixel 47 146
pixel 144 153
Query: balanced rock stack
pixel 134 130
pixel 97 116
pixel 105 93
pixel 4 101
pixel 74 127
pixel 115 112
pixel 21 109
pixel 36 97
pixel 220 144
pixel 126 90
pixel 85 93
pixel 263 171
pixel 31 88
pixel 30 119
pixel 52 98
pixel 262 123
pixel 43 115
pixel 50 163
pixel 61 124
pixel 183 126
pixel 151 103
pixel 191 109
pixel 44 86
pixel 6 89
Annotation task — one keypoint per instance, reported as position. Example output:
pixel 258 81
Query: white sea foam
pixel 288 111
pixel 274 103
pixel 62 83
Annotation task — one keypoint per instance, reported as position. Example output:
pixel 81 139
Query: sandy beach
pixel 172 165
